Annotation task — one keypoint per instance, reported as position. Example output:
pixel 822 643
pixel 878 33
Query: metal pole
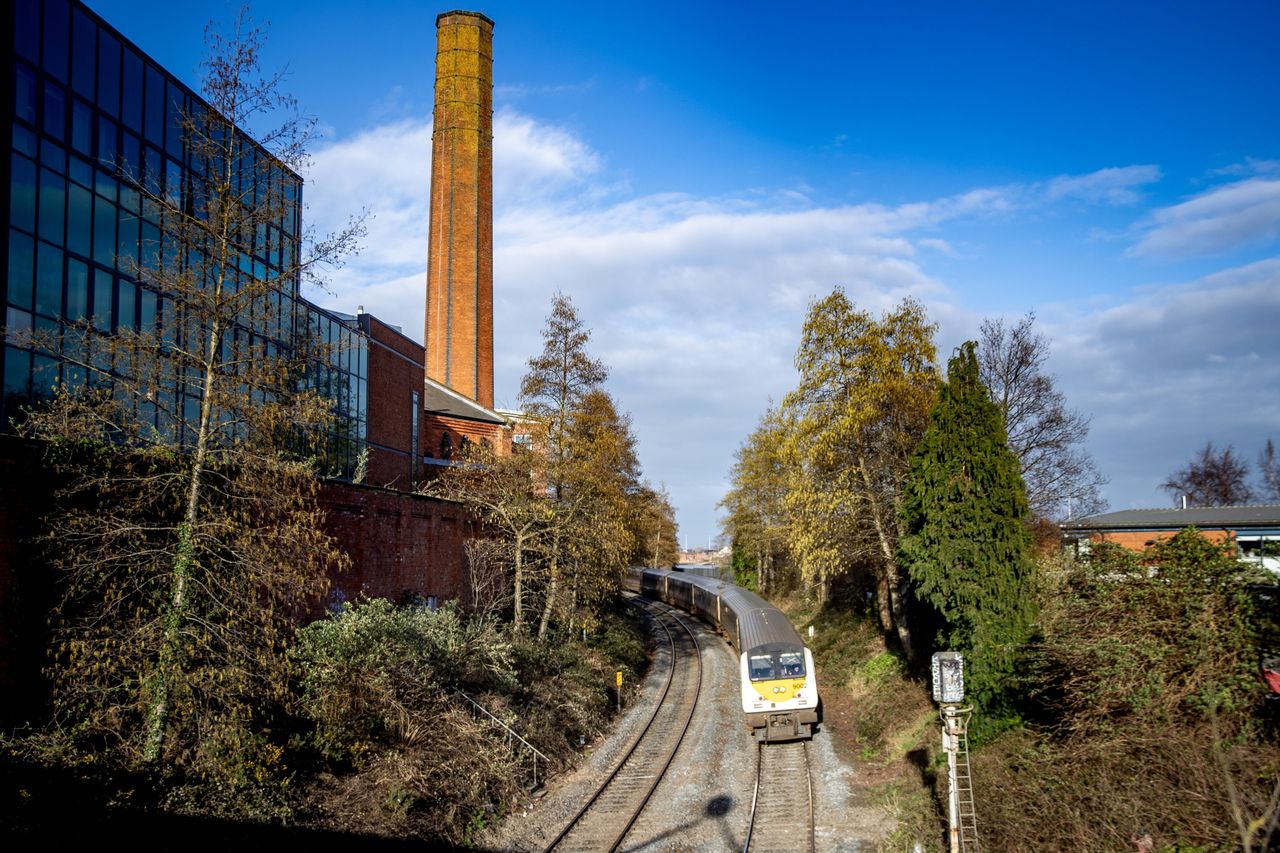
pixel 951 746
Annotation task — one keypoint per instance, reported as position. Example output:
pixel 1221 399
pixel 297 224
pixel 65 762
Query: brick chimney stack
pixel 459 314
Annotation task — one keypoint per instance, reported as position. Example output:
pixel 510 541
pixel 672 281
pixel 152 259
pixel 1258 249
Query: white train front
pixel 777 681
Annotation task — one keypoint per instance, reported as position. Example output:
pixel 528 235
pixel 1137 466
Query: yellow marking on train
pixel 781 690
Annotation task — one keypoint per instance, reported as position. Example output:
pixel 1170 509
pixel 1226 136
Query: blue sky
pixel 691 175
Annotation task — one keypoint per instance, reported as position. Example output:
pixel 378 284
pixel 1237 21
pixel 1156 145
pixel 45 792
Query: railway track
pixel 606 818
pixel 782 807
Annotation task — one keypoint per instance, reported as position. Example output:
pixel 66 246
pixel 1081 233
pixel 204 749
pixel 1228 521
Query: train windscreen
pixel 765 666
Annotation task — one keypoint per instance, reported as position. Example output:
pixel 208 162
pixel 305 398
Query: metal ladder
pixel 962 817
pixel 514 741
pixel 968 816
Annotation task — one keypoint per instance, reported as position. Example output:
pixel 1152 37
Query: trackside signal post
pixel 947 669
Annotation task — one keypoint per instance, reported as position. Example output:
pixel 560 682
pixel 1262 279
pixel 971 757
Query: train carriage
pixel 777 682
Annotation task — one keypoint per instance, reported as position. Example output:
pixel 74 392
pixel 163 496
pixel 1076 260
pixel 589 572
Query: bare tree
pixel 1269 473
pixel 1211 478
pixel 1047 437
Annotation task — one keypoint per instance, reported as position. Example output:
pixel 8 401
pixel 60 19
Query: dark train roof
pixel 759 621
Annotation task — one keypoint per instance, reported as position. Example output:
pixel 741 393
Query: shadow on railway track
pixel 717 809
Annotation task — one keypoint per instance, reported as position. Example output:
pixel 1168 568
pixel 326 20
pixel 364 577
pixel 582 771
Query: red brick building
pixel 1252 530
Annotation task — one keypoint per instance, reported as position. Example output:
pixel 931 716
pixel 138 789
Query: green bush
pixel 374 675
pixel 1149 711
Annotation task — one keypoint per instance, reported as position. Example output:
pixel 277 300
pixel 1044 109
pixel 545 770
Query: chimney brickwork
pixel 459 312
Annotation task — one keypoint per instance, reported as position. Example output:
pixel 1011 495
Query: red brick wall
pixel 398 542
pixel 1136 540
pixel 474 431
pixel 395 372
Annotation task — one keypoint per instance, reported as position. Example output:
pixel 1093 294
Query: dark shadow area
pixel 717 809
pixel 43 808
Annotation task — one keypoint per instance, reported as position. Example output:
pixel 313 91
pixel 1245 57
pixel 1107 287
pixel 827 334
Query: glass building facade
pixel 95 130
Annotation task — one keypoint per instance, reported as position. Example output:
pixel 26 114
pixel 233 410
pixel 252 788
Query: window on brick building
pixel 446 446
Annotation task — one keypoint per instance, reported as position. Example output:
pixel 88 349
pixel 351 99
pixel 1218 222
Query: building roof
pixel 1233 517
pixel 441 400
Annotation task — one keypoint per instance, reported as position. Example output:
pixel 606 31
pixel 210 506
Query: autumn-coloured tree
pixel 653 527
pixel 503 492
pixel 756 520
pixel 866 387
pixel 570 510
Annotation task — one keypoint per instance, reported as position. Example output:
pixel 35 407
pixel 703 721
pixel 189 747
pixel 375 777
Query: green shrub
pixel 374 674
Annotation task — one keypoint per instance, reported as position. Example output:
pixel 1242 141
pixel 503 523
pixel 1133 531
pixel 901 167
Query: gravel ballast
pixel 704 801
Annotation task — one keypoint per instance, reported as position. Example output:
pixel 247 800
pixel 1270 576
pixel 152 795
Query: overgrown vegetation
pixel 381 743
pixel 1148 709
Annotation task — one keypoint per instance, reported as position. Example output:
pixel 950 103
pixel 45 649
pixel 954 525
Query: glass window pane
pixel 55 111
pixel 155 105
pixel 18 326
pixel 56 37
pixel 81 127
pixel 77 307
pixel 79 220
pixel 44 376
pixel 104 231
pixel 53 191
pixel 83 32
pixel 150 257
pixel 108 73
pixel 154 181
pixel 80 171
pixel 22 202
pixel 48 280
pixel 126 305
pixel 131 90
pixel 104 185
pixel 129 198
pixel 17 376
pixel 131 157
pixel 24 140
pixel 22 267
pixel 127 247
pixel 175 102
pixel 53 156
pixel 146 310
pixel 103 300
pixel 107 142
pixel 26 30
pixel 24 100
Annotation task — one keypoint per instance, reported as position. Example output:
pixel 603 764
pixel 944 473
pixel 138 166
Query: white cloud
pixel 1171 368
pixel 1250 166
pixel 1117 186
pixel 1242 213
pixel 696 303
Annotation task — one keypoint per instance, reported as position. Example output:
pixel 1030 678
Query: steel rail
pixel 777 787
pixel 658 707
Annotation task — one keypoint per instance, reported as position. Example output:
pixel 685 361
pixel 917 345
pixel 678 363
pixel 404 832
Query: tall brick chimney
pixel 459 315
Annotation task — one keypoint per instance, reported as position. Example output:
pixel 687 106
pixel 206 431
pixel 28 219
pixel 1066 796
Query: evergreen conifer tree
pixel 967 546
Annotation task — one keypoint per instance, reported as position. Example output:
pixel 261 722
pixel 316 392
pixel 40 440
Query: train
pixel 777 681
